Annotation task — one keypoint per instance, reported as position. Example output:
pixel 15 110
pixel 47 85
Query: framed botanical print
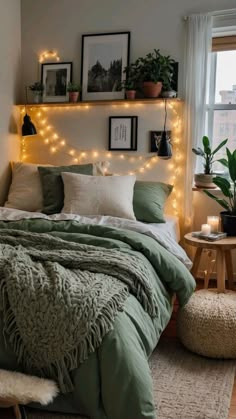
pixel 55 77
pixel 104 57
pixel 123 133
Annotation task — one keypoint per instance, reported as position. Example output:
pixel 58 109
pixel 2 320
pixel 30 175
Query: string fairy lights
pixel 141 164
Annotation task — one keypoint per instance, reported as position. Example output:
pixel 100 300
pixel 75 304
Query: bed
pixel 106 376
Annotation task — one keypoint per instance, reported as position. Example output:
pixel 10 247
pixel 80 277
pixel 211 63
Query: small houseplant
pixel 73 89
pixel 228 188
pixel 131 82
pixel 37 88
pixel 205 180
pixel 153 70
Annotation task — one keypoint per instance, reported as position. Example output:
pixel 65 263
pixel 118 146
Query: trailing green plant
pixel 207 153
pixel 37 87
pixel 73 87
pixel 155 67
pixel 228 188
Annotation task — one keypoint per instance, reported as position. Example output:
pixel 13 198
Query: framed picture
pixel 155 136
pixel 104 57
pixel 123 133
pixel 55 77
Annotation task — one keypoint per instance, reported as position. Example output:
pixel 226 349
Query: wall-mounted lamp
pixel 163 144
pixel 28 127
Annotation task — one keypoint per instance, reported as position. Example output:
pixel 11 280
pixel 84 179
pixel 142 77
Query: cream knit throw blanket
pixel 59 298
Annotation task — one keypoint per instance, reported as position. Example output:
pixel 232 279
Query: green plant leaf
pixel 232 165
pixel 198 151
pixel 206 144
pixel 221 202
pixel 224 162
pixel 224 185
pixel 219 146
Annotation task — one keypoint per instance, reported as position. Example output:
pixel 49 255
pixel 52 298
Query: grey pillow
pixel 52 185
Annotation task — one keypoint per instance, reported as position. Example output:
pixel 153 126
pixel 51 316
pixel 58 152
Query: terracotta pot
pixel 151 89
pixel 130 94
pixel 73 97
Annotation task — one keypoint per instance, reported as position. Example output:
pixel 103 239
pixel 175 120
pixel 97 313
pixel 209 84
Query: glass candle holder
pixel 213 222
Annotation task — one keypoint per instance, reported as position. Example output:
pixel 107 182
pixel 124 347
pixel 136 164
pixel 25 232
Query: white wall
pixel 59 24
pixel 48 24
pixel 10 50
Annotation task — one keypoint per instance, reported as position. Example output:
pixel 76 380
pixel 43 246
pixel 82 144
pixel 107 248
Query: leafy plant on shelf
pixel 37 87
pixel 207 153
pixel 73 87
pixel 228 188
pixel 155 67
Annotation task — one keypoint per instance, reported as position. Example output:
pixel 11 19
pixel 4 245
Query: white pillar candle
pixel 206 229
pixel 213 221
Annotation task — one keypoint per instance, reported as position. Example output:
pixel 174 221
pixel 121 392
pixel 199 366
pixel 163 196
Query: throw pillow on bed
pixel 104 195
pixel 52 185
pixel 25 191
pixel 149 201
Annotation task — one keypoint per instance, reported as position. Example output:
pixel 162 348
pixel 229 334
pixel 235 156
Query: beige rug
pixel 186 386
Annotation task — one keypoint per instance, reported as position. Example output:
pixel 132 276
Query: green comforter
pixel 115 382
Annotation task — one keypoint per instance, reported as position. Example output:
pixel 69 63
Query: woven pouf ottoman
pixel 207 324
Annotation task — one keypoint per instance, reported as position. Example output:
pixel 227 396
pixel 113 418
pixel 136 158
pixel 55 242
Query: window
pixel 221 106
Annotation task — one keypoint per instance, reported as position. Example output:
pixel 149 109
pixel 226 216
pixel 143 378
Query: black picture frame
pixel 55 77
pixel 103 59
pixel 123 131
pixel 154 136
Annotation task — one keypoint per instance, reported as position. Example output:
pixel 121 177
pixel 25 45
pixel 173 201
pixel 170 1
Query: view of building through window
pixel 222 101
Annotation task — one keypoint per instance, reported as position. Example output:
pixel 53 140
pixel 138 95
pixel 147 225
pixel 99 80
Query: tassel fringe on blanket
pixel 59 299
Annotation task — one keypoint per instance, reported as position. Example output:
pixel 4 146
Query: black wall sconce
pixel 28 127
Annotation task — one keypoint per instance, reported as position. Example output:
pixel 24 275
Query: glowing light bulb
pixel 72 152
pixel 53 149
pixel 95 154
pixel 39 113
pixel 46 141
pixel 83 154
pixel 55 136
pixel 122 156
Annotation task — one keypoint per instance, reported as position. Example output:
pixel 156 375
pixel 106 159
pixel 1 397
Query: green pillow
pixel 52 185
pixel 149 200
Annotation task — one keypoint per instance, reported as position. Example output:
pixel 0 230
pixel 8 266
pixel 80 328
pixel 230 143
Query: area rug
pixel 186 386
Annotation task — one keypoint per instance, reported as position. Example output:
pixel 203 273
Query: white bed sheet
pixel 167 234
pixel 171 227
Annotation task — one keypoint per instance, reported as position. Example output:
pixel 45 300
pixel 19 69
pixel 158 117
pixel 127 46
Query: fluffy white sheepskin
pixel 26 388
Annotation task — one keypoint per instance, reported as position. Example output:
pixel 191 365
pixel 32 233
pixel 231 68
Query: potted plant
pixel 37 88
pixel 131 82
pixel 154 69
pixel 228 188
pixel 73 89
pixel 205 180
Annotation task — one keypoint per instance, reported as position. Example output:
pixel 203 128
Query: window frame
pixel 211 106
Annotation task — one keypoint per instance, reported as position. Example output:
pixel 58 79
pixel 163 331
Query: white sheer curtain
pixel 196 68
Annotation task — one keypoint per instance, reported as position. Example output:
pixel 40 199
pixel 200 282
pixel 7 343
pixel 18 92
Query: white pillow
pixel 103 195
pixel 25 191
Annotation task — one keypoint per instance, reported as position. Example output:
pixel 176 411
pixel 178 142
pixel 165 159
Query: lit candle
pixel 213 221
pixel 206 229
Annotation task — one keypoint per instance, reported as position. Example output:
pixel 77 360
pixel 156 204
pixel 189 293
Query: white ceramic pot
pixel 204 181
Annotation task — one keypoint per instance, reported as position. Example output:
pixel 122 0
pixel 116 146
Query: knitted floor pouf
pixel 17 388
pixel 207 324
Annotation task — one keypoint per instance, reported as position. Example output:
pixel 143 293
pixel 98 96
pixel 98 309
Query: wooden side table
pixel 223 258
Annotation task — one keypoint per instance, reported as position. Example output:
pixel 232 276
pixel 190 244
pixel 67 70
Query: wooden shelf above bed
pixel 123 102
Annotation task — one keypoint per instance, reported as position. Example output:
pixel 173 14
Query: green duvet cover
pixel 115 382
